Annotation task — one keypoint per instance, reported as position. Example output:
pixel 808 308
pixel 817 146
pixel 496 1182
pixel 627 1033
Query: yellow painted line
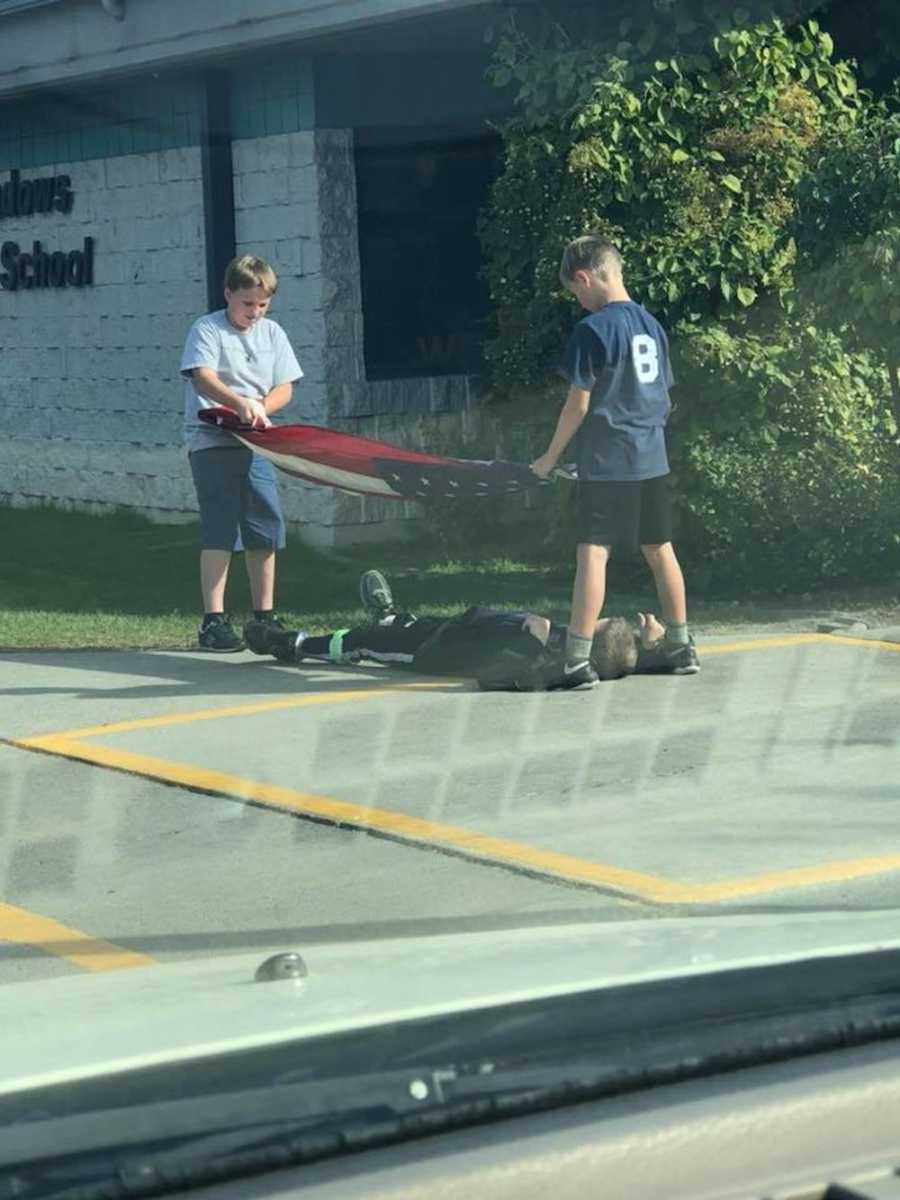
pixel 793 639
pixel 416 830
pixel 798 639
pixel 245 710
pixel 318 698
pixel 483 847
pixel 843 640
pixel 49 936
pixel 797 877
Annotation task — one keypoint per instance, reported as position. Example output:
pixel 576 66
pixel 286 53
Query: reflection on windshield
pixel 451 492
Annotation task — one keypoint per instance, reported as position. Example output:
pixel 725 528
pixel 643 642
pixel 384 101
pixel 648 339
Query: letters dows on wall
pixel 40 267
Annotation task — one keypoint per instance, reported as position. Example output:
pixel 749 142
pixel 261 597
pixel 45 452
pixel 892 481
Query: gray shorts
pixel 239 507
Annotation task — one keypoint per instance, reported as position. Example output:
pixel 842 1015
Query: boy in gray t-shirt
pixel 238 358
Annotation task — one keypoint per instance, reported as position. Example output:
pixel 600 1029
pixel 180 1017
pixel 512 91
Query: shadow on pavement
pixel 191 675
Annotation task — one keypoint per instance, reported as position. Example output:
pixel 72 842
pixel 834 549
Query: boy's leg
pixel 394 641
pixel 600 507
pixel 217 479
pixel 588 594
pixel 213 578
pixel 261 576
pixel 669 584
pixel 657 548
pixel 599 514
pixel 262 529
pixel 589 590
pixel 678 645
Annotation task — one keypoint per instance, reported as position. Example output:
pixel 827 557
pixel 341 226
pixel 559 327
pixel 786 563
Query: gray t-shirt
pixel 250 364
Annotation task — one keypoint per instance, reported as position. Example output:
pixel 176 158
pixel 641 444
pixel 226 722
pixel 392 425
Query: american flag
pixel 356 464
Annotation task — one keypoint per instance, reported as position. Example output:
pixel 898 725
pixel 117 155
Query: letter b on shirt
pixel 645 356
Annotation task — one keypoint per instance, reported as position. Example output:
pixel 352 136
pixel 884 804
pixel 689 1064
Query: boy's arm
pixel 573 413
pixel 208 385
pixel 651 658
pixel 652 631
pixel 278 397
pixel 287 372
pixel 538 627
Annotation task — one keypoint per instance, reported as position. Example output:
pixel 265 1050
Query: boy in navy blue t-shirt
pixel 617 365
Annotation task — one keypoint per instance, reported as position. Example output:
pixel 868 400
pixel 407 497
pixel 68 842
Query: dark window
pixel 424 301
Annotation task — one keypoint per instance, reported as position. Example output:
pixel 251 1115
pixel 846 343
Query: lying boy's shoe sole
pixel 274 622
pixel 257 634
pixel 286 646
pixel 269 638
pixel 376 595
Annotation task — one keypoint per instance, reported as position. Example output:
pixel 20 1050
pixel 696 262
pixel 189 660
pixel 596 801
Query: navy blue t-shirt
pixel 621 356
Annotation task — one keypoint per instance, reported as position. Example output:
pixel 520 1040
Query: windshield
pixel 449 502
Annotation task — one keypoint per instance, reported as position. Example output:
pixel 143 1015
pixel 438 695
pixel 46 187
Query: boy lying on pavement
pixel 501 650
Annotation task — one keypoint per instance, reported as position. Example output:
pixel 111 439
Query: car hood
pixel 99 1023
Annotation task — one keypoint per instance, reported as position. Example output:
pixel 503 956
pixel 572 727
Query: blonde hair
pixel 591 253
pixel 247 271
pixel 613 650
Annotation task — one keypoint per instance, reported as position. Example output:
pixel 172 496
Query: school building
pixel 144 142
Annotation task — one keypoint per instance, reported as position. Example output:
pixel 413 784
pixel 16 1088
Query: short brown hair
pixel 591 253
pixel 247 271
pixel 613 650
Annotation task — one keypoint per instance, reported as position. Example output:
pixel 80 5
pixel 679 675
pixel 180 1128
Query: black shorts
pixel 624 514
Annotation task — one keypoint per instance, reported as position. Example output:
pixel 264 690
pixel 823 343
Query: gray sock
pixel 677 635
pixel 578 649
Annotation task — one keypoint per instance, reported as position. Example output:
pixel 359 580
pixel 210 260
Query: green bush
pixel 692 173
pixel 786 522
pixel 847 231
pixel 783 453
pixel 804 490
pixel 752 188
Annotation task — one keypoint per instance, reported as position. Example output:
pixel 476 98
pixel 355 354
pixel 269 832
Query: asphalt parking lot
pixel 160 805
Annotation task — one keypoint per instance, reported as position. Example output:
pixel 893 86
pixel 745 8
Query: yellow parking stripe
pixel 351 694
pixel 796 877
pixel 50 937
pixel 872 643
pixel 400 826
pixel 633 885
pixel 798 639
pixel 628 884
pixel 242 710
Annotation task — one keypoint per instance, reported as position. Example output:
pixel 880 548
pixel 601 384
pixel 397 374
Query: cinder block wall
pixel 90 397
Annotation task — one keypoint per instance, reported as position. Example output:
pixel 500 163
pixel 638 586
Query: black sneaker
pixel 682 660
pixel 219 636
pixel 376 595
pixel 575 677
pixel 285 645
pixel 273 621
pixel 256 635
pixel 272 637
